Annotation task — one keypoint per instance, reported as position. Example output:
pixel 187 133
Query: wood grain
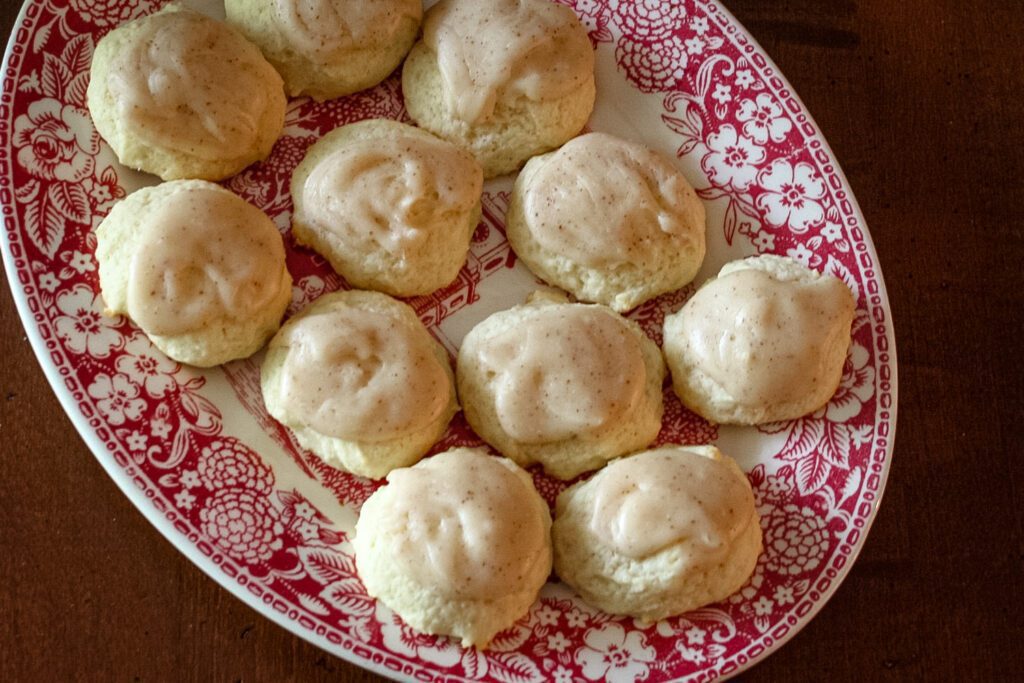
pixel 921 101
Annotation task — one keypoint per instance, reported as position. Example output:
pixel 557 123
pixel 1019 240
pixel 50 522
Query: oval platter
pixel 198 455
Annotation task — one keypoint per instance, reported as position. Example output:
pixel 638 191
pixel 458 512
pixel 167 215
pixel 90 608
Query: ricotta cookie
pixel 198 268
pixel 391 207
pixel 506 79
pixel 570 386
pixel 658 533
pixel 608 220
pixel 458 545
pixel 765 341
pixel 360 382
pixel 181 95
pixel 329 48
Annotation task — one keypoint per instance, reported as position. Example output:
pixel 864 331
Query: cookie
pixel 765 341
pixel 329 48
pixel 391 207
pixel 507 79
pixel 360 382
pixel 180 95
pixel 658 533
pixel 607 220
pixel 457 545
pixel 198 268
pixel 569 386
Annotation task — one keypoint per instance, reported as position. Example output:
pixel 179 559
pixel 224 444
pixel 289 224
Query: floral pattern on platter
pixel 771 186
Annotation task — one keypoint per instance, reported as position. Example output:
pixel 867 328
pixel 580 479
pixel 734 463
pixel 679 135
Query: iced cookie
pixel 570 386
pixel 658 533
pixel 329 48
pixel 608 220
pixel 507 79
pixel 765 341
pixel 360 382
pixel 390 206
pixel 180 95
pixel 198 268
pixel 458 545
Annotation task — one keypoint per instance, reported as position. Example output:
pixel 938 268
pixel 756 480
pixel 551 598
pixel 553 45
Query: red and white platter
pixel 198 455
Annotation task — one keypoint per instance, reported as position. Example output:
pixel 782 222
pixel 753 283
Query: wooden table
pixel 921 101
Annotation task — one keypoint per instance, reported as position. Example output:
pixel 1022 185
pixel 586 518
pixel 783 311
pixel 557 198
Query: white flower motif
pixel 723 94
pixel 56 141
pixel 80 262
pixel 143 363
pixel 561 675
pixel 117 398
pixel 558 642
pixel 136 441
pixel 744 78
pixel 801 253
pixel 308 530
pixel 190 479
pixel 699 25
pixel 832 232
pixel 611 654
pixel 856 387
pixel 763 606
pixel 694 45
pixel 243 524
pixel 691 654
pixel 49 282
pixel 791 195
pixel 160 429
pixel 764 119
pixel 546 615
pixel 575 618
pixel 304 510
pixel 764 241
pixel 402 640
pixel 184 500
pixel 695 636
pixel 82 327
pixel 778 486
pixel 784 595
pixel 731 159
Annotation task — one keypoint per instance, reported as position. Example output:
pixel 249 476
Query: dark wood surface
pixel 921 101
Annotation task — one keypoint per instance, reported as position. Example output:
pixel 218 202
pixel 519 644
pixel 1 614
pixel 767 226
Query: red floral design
pixel 56 141
pixel 106 13
pixel 228 463
pixel 243 524
pixel 796 540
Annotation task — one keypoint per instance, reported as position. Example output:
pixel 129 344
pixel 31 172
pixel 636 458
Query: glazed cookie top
pixel 391 191
pixel 464 523
pixel 187 82
pixel 506 48
pixel 360 373
pixel 645 503
pixel 762 338
pixel 204 255
pixel 568 370
pixel 601 202
pixel 320 28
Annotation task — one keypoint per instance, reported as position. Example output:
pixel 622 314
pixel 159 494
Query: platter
pixel 197 454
